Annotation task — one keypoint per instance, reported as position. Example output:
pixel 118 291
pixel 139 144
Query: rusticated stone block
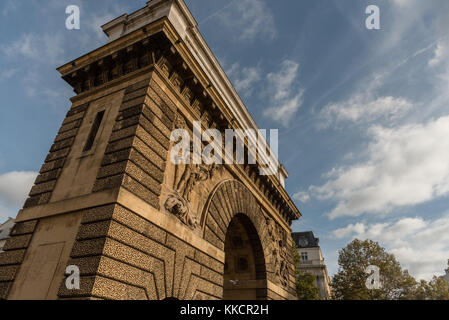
pixel 88 265
pixel 158 148
pixel 130 112
pixel 116 157
pixel 87 248
pixel 190 268
pixel 158 266
pixel 57 154
pixel 66 135
pixel 11 257
pixel 120 145
pixel 126 123
pixel 52 165
pixel 197 283
pixel 37 200
pixel 155 132
pixel 165 99
pixel 18 242
pixel 112 170
pixel 98 214
pixel 149 154
pixel 132 103
pixel 143 178
pixel 21 228
pixel 136 240
pixel 211 275
pixel 138 85
pixel 108 183
pixel 8 273
pixel 213 226
pixel 69 126
pixel 123 133
pixel 146 165
pixel 48 176
pixel 93 230
pixel 62 144
pixel 125 273
pixel 139 224
pixel 139 93
pixel 217 217
pixel 213 239
pixel 115 290
pixel 4 289
pixel 141 191
pixel 73 118
pixel 208 261
pixel 86 286
pixel 77 110
pixel 42 188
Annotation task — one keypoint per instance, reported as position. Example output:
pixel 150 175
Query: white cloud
pixel 10 6
pixel 8 74
pixel 403 166
pixel 243 79
pixel 403 3
pixel 23 46
pixel 301 196
pixel 15 186
pixel 366 105
pixel 412 240
pixel 6 212
pixel 361 108
pixel 440 54
pixel 250 19
pixel 46 48
pixel 286 96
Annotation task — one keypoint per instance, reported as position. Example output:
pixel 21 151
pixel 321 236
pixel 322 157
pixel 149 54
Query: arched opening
pixel 245 276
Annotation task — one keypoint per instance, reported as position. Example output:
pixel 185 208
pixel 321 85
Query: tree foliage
pixel 435 289
pixel 349 283
pixel 304 281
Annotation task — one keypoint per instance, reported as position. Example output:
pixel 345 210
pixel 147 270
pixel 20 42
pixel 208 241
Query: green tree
pixel 304 281
pixel 349 283
pixel 435 289
pixel 305 286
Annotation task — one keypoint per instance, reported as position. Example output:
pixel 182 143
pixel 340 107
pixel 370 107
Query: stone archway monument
pixel 110 203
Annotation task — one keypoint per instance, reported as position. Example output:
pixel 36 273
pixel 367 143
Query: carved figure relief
pixel 186 177
pixel 278 249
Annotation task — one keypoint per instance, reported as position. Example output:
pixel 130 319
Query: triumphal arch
pixel 109 201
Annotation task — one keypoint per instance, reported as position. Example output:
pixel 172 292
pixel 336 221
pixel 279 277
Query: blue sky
pixel 363 114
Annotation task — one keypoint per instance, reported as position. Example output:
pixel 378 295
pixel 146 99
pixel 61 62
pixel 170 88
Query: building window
pixel 242 264
pixel 94 131
pixel 304 256
pixel 237 242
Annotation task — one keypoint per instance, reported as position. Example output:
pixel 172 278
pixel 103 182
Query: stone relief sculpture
pixel 279 255
pixel 186 177
pixel 191 175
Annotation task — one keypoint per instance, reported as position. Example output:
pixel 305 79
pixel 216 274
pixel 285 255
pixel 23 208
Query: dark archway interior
pixel 245 276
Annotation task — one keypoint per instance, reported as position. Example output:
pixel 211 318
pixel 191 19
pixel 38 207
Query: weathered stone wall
pixel 123 256
pixel 136 155
pixel 14 254
pixel 56 159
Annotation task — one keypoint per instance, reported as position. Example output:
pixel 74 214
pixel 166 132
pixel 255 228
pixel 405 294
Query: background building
pixel 5 230
pixel 312 260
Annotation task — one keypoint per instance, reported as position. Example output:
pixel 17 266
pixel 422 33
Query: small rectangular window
pixel 304 256
pixel 94 131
